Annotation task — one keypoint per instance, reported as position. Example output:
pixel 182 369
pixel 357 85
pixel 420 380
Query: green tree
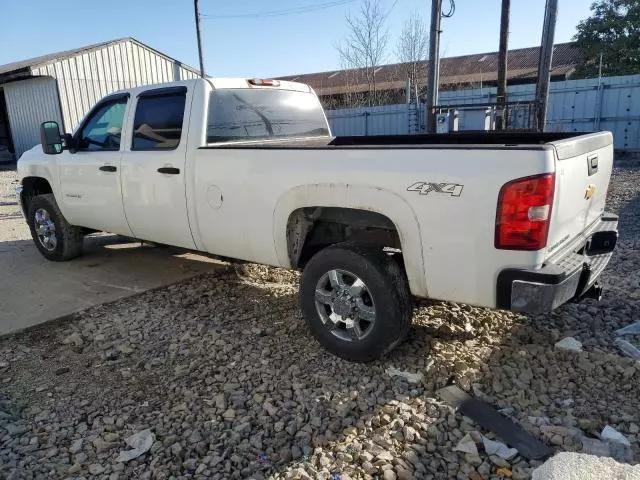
pixel 613 29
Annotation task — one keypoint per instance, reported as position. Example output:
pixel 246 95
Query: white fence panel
pixel 611 103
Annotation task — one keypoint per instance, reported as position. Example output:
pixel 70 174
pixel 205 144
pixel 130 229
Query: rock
pixel 111 354
pixel 285 454
pixel 596 447
pixel 385 455
pixel 74 339
pixel 62 370
pixel 195 436
pixel 229 414
pixel 368 467
pixel 557 440
pixel 412 457
pixel 409 377
pixel 96 469
pixel 111 437
pixel 485 469
pixel 402 473
pixel 389 475
pixel 499 449
pixel 296 453
pixel 474 460
pixel 271 410
pixel 75 468
pixel 611 435
pixel 570 344
pixel 176 449
pixel 220 401
pixel 467 445
pixel 101 446
pixel 76 446
pixel 189 464
pixel 500 462
pixel 633 428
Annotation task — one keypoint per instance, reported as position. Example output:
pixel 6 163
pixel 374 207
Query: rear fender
pixel 360 197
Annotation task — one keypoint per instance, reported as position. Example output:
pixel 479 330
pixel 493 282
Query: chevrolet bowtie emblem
pixel 591 189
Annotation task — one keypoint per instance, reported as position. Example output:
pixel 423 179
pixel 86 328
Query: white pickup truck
pixel 248 169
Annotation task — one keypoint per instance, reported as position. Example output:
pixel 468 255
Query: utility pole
pixel 434 64
pixel 196 4
pixel 501 100
pixel 544 67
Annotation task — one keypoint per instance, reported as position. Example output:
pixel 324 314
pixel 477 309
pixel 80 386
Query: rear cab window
pixel 244 114
pixel 158 120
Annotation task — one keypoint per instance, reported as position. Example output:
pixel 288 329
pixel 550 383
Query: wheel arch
pixel 31 187
pixel 375 200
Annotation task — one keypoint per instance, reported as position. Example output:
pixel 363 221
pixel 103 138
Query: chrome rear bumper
pixel 569 278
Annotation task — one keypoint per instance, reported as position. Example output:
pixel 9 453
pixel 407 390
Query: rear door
pixel 583 170
pixel 153 168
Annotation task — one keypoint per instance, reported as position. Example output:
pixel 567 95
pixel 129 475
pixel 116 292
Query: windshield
pixel 254 114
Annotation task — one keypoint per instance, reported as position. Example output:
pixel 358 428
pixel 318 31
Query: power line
pixel 280 13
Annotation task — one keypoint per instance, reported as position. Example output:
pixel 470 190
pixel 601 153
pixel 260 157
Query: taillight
pixel 524 213
pixel 264 82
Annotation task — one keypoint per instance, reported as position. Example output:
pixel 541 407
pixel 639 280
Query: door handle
pixel 107 168
pixel 169 170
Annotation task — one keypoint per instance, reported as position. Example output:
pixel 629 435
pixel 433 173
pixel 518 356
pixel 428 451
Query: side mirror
pixel 50 138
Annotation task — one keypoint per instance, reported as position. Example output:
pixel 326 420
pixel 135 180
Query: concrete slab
pixel 34 290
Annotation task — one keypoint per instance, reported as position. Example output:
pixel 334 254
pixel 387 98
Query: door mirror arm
pixel 69 143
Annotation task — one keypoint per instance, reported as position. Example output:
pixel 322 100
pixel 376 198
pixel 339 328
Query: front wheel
pixel 356 301
pixel 54 237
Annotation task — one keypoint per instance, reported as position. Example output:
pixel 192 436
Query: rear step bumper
pixel 570 278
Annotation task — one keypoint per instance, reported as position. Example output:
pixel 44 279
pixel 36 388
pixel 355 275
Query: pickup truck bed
pixel 528 140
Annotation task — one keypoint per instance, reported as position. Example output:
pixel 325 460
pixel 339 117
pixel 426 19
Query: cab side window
pixel 103 130
pixel 158 120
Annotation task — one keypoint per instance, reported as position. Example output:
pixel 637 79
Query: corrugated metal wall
pixel 575 105
pixel 383 120
pixel 29 103
pixel 87 77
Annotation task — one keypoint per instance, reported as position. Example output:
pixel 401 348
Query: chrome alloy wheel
pixel 345 305
pixel 45 229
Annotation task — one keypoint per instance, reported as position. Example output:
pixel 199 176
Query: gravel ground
pixel 8 203
pixel 225 374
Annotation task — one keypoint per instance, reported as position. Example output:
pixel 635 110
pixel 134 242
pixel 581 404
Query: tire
pixel 44 216
pixel 385 289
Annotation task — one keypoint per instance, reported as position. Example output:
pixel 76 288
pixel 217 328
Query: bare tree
pixel 411 49
pixel 365 46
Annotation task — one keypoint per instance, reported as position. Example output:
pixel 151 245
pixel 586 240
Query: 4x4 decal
pixel 424 188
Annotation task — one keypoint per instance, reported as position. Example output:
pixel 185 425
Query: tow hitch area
pixel 594 292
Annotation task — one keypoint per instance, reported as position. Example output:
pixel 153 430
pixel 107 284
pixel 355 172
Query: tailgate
pixel 583 170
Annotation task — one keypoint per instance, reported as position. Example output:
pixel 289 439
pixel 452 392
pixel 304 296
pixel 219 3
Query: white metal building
pixel 63 86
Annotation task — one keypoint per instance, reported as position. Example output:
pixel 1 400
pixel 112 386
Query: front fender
pixel 34 163
pixel 360 197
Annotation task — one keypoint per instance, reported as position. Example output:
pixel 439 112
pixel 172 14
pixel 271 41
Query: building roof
pixel 462 70
pixel 23 68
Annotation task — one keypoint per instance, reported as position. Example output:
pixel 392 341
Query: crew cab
pixel 248 169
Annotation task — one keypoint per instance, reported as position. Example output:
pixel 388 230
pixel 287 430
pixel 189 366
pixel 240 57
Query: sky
pixel 265 46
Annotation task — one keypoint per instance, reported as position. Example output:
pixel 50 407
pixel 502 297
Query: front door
pixel 90 178
pixel 153 168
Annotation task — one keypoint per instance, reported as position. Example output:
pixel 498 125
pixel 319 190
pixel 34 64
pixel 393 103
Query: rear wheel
pixel 356 301
pixel 53 236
